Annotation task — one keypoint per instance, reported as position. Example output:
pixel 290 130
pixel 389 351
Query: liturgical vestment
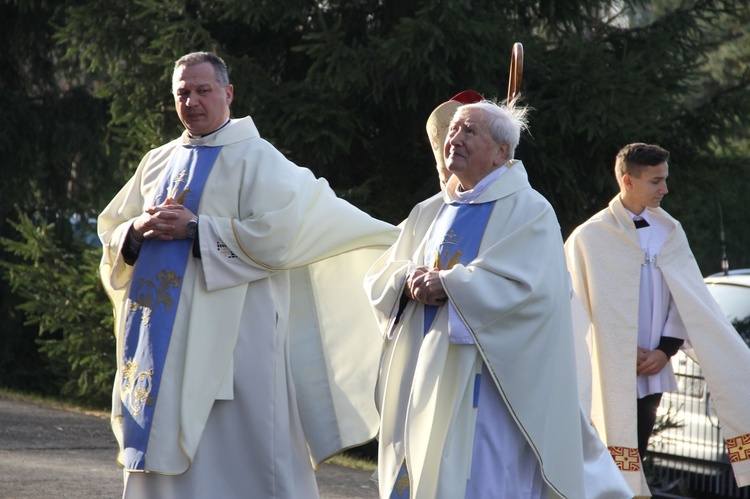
pixel 273 352
pixel 604 257
pixel 513 298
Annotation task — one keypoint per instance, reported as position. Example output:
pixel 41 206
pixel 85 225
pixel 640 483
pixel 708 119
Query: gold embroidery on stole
pixel 136 386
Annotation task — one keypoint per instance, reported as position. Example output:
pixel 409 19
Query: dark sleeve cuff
pixel 131 249
pixel 197 244
pixel 401 306
pixel 670 345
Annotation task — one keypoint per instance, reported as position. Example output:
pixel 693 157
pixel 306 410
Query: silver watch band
pixel 191 229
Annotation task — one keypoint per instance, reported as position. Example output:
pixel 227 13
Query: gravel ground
pixel 47 452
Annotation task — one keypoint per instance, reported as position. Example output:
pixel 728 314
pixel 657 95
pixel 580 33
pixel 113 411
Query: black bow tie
pixel 640 223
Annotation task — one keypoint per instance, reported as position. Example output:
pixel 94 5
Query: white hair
pixel 505 122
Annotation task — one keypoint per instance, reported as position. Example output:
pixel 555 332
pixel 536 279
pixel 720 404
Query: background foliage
pixel 345 88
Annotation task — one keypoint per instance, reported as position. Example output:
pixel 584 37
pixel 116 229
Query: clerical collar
pixel 639 219
pixel 472 194
pixel 211 133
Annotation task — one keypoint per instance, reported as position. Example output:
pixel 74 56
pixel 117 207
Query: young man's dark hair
pixel 634 158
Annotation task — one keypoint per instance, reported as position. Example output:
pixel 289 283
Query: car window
pixel 735 303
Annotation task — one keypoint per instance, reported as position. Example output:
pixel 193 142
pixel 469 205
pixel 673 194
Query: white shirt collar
pixel 644 215
pixel 468 196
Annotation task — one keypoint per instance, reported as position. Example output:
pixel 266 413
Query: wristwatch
pixel 191 229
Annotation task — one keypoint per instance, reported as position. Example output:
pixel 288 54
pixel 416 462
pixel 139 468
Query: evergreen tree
pixel 345 88
pixel 74 323
pixel 54 162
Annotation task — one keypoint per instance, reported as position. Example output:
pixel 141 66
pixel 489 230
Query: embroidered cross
pixel 626 458
pixel 739 448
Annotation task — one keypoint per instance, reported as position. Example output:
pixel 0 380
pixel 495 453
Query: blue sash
pixel 455 239
pixel 153 300
pixel 402 487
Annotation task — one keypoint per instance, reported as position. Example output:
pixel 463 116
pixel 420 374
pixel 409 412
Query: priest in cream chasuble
pixel 478 388
pixel 246 350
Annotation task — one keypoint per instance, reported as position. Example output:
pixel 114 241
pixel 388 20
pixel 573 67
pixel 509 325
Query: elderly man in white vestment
pixel 635 275
pixel 478 387
pixel 246 349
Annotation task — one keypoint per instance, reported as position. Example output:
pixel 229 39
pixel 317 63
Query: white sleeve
pixel 457 330
pixel 221 267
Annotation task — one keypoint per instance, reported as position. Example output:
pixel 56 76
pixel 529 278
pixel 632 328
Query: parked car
pixel 687 448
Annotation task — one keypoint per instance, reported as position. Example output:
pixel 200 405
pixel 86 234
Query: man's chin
pixel 194 123
pixel 454 164
pixel 195 130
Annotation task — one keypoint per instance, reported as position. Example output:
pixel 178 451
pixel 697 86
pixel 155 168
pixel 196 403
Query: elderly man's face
pixel 202 103
pixel 470 152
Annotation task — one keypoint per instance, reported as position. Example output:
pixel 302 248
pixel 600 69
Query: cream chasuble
pixel 604 258
pixel 280 279
pixel 514 300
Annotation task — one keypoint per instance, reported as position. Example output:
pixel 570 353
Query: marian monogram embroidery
pixel 401 487
pixel 444 259
pixel 177 189
pixel 136 386
pixel 739 448
pixel 153 303
pixel 402 483
pixel 626 458
pixel 149 294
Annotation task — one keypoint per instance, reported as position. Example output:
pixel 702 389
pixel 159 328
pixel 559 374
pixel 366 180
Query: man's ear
pixel 502 154
pixel 230 93
pixel 627 181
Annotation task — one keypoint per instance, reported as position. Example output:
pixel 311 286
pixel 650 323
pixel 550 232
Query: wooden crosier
pixel 516 73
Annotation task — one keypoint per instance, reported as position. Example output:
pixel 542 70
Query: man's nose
pixel 664 189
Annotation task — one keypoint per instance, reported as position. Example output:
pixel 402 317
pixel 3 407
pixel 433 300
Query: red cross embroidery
pixel 739 448
pixel 626 458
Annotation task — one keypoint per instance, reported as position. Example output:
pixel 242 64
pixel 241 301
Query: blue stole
pixel 153 300
pixel 402 487
pixel 455 239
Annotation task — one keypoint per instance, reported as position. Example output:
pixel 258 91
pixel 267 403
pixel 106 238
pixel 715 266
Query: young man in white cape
pixel 634 273
pixel 478 387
